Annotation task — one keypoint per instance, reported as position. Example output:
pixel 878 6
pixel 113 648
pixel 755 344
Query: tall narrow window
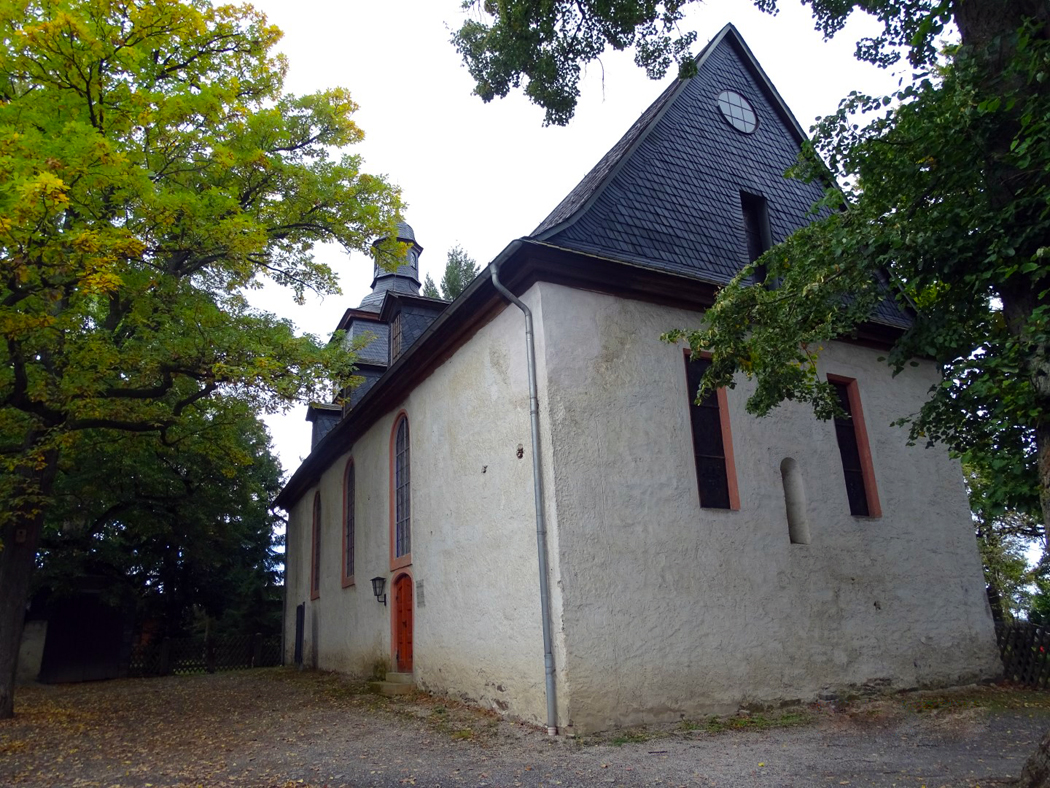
pixel 315 549
pixel 756 229
pixel 349 505
pixel 712 442
pixel 402 497
pixel 852 437
pixel 395 338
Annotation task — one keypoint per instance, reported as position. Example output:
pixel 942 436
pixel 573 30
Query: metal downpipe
pixel 537 486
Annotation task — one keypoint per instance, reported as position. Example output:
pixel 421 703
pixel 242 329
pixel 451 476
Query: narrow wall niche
pixel 795 501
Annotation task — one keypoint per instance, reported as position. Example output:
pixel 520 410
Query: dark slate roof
pixel 389 283
pixel 417 313
pixel 668 193
pixel 414 322
pixel 404 280
pixel 576 199
pixel 377 351
pixel 405 233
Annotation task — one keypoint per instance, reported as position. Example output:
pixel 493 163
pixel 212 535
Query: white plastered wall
pixel 670 610
pixel 477 635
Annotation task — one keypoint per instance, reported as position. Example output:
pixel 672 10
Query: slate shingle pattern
pixel 593 179
pixel 378 350
pixel 323 424
pixel 395 283
pixel 414 321
pixel 673 202
pixel 371 376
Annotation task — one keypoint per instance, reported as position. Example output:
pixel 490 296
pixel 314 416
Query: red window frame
pixel 349 525
pixel 860 430
pixel 727 439
pixel 397 561
pixel 315 548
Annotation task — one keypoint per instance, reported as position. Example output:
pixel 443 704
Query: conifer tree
pixel 460 270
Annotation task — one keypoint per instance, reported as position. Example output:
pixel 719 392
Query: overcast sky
pixel 481 175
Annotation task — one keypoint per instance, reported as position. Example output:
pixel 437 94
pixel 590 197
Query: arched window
pixel 402 497
pixel 349 504
pixel 315 550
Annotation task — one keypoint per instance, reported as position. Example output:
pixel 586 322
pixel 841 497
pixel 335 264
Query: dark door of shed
pixel 84 640
pixel 403 622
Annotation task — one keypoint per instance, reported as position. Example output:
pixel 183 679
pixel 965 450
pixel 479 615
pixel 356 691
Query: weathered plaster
pixel 672 610
pixel 31 651
pixel 660 609
pixel 478 634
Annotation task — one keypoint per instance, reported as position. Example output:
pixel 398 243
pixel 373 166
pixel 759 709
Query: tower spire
pixel 404 280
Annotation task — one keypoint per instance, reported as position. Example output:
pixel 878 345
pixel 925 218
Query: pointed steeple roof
pixel 403 280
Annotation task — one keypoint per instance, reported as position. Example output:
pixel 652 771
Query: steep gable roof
pixel 668 193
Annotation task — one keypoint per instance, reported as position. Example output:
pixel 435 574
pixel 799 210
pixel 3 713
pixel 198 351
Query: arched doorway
pixel 403 623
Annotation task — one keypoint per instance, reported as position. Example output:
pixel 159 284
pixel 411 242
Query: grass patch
pixel 752 722
pixel 992 698
pixel 636 736
pixel 714 724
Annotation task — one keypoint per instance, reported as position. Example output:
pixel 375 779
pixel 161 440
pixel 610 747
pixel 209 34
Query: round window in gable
pixel 737 111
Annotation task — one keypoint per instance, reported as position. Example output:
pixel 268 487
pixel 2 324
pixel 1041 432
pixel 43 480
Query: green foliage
pixel 1004 537
pixel 174 525
pixel 460 270
pixel 151 169
pixel 543 47
pixel 430 289
pixel 1039 610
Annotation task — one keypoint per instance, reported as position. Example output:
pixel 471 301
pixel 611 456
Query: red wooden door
pixel 403 623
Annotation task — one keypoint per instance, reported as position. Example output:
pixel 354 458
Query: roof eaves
pixel 315 408
pixel 334 443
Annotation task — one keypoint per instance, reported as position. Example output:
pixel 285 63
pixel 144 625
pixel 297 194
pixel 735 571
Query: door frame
pixel 405 572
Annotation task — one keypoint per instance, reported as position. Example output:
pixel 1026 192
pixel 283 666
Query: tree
pixel 174 526
pixel 542 47
pixel 1003 538
pixel 151 169
pixel 460 270
pixel 430 289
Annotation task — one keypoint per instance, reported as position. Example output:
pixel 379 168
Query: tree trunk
pixel 20 537
pixel 1036 772
pixel 1042 442
pixel 987 27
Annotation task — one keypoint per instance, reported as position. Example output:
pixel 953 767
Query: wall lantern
pixel 377 588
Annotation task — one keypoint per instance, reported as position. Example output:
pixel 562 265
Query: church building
pixel 522 505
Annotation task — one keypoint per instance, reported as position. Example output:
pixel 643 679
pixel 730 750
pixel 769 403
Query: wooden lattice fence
pixel 185 656
pixel 1025 649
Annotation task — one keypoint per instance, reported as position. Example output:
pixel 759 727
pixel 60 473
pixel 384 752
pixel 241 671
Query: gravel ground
pixel 283 728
